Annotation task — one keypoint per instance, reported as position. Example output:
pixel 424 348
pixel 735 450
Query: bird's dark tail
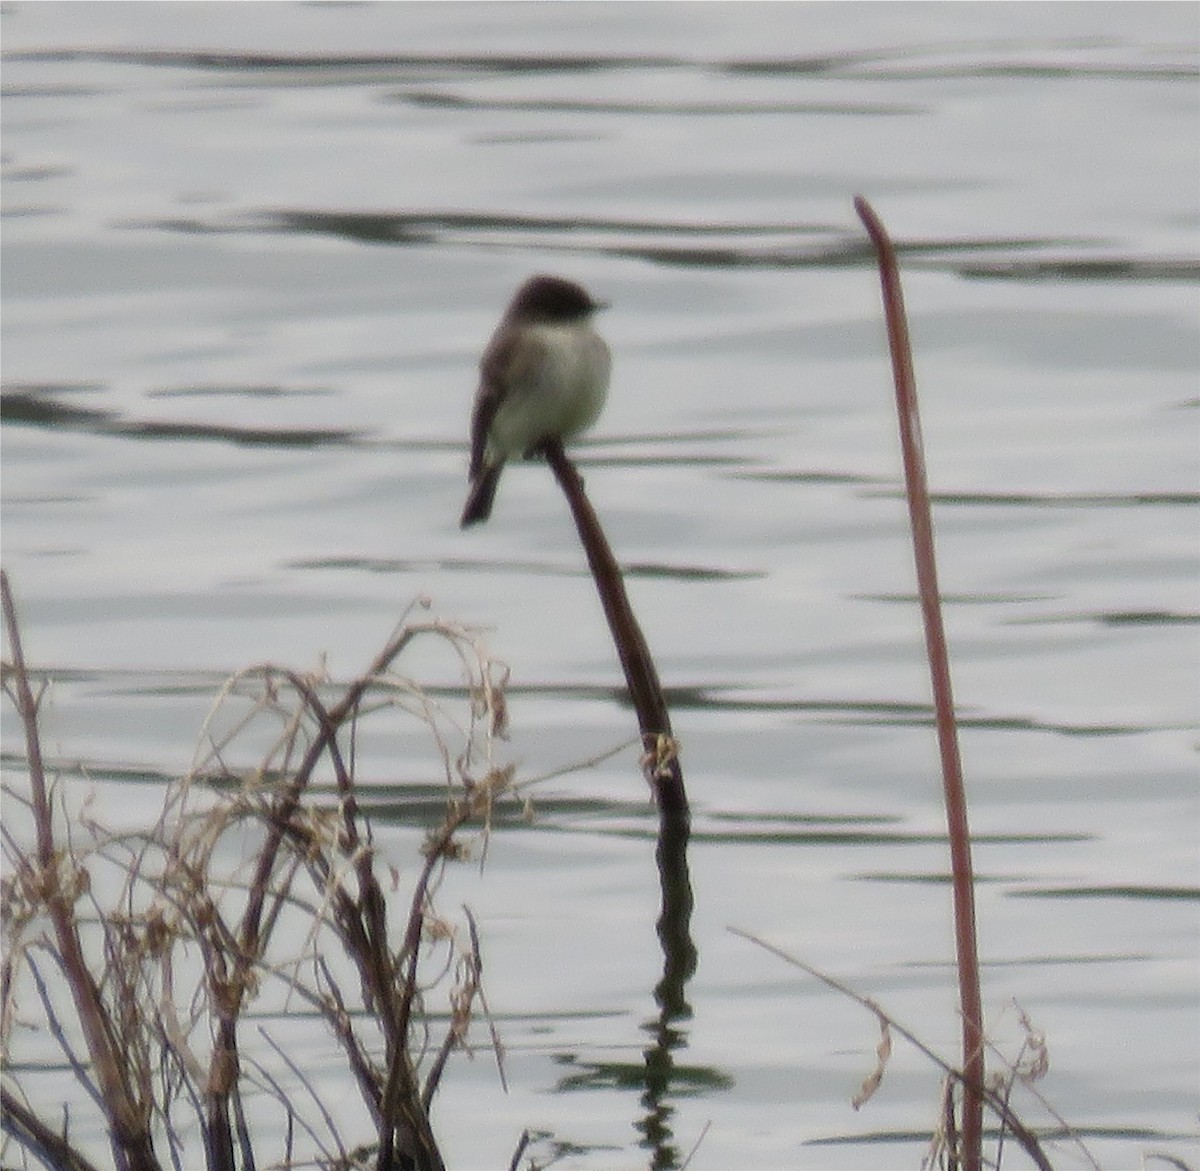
pixel 483 492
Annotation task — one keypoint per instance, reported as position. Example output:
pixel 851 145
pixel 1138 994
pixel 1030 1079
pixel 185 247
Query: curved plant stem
pixel 661 760
pixel 917 491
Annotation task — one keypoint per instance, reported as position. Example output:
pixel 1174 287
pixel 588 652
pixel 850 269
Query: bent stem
pixel 661 759
pixel 921 520
pixel 997 1101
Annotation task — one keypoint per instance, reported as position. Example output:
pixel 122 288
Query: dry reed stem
pixel 119 1081
pixel 954 792
pixel 996 1100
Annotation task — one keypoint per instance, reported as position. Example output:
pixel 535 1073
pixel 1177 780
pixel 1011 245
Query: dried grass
pixel 151 960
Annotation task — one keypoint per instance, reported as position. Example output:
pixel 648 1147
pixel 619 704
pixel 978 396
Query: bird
pixel 543 377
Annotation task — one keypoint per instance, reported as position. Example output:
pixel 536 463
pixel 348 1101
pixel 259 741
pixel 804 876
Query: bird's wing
pixel 506 362
pixel 487 399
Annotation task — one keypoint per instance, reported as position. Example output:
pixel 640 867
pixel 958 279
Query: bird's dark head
pixel 552 299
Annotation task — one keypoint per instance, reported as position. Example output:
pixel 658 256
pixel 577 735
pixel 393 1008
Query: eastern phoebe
pixel 543 376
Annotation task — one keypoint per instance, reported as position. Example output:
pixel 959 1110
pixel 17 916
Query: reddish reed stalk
pixel 921 520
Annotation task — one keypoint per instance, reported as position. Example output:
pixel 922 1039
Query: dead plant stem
pixel 921 520
pixel 128 1115
pixel 661 757
pixel 997 1102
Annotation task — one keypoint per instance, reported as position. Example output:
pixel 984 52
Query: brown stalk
pixel 660 763
pixel 921 520
pixel 128 1115
pixel 661 758
pixel 998 1102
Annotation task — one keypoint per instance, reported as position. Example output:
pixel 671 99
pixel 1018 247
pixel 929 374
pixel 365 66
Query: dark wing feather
pixel 510 360
pixel 487 401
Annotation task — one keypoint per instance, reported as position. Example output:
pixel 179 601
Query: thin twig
pixel 1067 1129
pixel 515 1162
pixel 1022 1133
pixel 306 1082
pixel 37 1138
pixel 687 1162
pixel 493 1031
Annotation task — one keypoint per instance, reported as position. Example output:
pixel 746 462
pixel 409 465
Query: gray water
pixel 250 256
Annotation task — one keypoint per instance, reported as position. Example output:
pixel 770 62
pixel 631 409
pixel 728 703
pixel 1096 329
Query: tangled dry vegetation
pixel 163 964
pixel 163 969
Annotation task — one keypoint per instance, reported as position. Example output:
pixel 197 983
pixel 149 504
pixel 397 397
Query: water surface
pixel 251 255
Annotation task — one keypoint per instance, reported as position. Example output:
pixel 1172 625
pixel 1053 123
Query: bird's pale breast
pixel 560 396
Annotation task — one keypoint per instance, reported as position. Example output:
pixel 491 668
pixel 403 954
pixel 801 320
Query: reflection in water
pixel 38 406
pixel 685 243
pixel 679 963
